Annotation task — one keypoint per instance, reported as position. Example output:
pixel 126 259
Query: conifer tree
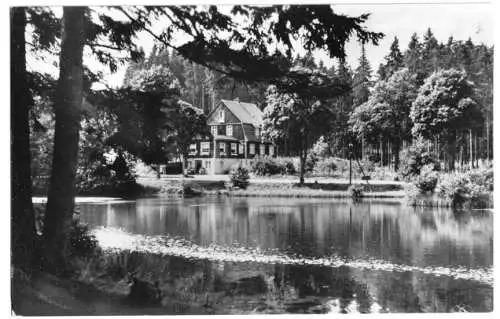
pixel 362 79
pixel 393 61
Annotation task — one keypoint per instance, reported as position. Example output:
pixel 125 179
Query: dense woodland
pixel 374 115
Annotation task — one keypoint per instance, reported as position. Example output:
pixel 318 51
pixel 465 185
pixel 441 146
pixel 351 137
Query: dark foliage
pixel 240 177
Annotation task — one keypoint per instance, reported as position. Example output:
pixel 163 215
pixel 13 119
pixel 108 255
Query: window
pixel 192 149
pixel 234 146
pixel 271 150
pixel 221 116
pixel 205 148
pixel 252 148
pixel 229 130
pixel 241 149
pixel 214 130
pixel 257 132
pixel 262 149
pixel 222 148
pixel 207 164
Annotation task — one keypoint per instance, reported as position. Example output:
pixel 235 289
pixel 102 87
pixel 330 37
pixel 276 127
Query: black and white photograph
pixel 204 158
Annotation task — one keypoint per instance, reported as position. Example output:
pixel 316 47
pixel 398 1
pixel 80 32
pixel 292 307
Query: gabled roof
pixel 245 112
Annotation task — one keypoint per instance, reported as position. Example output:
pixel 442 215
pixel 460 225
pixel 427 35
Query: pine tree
pixel 430 53
pixel 393 61
pixel 362 79
pixel 412 57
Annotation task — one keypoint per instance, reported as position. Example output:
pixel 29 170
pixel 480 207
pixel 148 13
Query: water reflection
pixel 311 229
pixel 391 232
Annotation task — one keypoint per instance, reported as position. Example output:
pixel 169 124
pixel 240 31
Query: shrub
pixel 471 186
pixel 325 167
pixel 288 168
pixel 428 178
pixel 83 243
pixel 321 147
pixel 355 191
pixel 414 157
pixel 240 177
pixel 263 166
pixel 483 177
pixel 454 187
pixel 311 161
pixel 412 193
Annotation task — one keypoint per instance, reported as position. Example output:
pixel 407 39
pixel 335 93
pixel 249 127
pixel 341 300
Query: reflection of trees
pixel 390 232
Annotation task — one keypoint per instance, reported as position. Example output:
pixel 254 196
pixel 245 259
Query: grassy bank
pixel 274 189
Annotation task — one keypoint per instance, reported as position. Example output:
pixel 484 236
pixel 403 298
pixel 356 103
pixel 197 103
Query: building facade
pixel 236 137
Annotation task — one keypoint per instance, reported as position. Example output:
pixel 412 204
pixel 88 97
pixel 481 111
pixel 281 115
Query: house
pixel 235 138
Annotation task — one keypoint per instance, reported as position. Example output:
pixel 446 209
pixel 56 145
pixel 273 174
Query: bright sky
pixel 462 20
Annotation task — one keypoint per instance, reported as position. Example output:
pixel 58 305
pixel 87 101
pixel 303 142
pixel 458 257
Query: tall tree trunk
pixel 451 150
pixel 475 150
pixel 381 155
pixel 303 158
pixel 471 160
pixel 397 148
pixel 487 138
pixel 61 199
pixel 22 218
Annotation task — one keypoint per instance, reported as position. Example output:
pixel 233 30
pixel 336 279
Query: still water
pixel 267 255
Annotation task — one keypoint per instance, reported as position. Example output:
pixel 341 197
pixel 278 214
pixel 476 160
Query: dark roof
pixel 245 112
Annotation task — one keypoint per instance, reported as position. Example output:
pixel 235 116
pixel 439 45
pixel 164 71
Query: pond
pixel 269 255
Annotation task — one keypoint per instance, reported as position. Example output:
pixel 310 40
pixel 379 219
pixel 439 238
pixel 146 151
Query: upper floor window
pixel 221 115
pixel 214 130
pixel 229 130
pixel 205 148
pixel 192 149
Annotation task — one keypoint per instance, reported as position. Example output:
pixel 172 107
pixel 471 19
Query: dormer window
pixel 229 130
pixel 221 116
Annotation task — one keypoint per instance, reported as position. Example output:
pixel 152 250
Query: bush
pixel 427 180
pixel 355 191
pixel 311 161
pixel 288 168
pixel 412 194
pixel 240 177
pixel 263 166
pixel 414 157
pixel 483 177
pixel 99 178
pixel 325 167
pixel 454 187
pixel 321 147
pixel 471 186
pixel 83 243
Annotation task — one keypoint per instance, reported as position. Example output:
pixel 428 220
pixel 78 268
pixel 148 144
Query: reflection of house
pixel 236 134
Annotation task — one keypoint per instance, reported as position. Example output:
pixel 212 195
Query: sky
pixel 461 20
